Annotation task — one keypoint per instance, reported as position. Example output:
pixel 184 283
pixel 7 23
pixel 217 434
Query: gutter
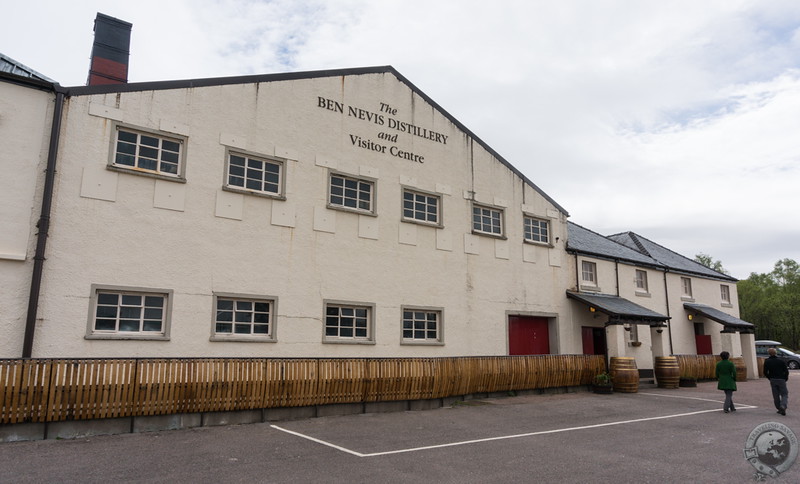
pixel 44 222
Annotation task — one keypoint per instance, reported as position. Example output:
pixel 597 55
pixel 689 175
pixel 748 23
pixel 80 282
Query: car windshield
pixel 788 352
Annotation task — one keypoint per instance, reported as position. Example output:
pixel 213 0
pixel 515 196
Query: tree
pixel 709 262
pixel 772 302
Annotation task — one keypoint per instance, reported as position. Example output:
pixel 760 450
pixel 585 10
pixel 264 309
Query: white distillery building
pixel 329 213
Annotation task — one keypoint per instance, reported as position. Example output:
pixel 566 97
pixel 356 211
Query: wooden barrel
pixel 667 371
pixel 741 368
pixel 624 374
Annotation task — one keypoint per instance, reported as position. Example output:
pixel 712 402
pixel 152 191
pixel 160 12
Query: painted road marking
pixel 515 436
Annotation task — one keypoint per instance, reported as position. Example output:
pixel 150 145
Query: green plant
pixel 602 379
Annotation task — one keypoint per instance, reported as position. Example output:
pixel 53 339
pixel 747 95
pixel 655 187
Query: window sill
pixel 643 294
pixel 347 342
pixel 726 305
pixel 147 173
pixel 687 298
pixel 486 234
pixel 244 191
pixel 590 288
pixel 424 224
pixel 117 336
pixel 242 339
pixel 540 244
pixel 351 210
pixel 421 343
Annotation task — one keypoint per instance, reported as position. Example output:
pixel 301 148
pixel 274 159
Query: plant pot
pixel 687 382
pixel 603 389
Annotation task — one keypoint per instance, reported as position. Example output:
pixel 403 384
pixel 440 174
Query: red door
pixel 703 344
pixel 594 340
pixel 528 335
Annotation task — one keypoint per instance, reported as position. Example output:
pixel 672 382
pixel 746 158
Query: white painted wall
pixel 194 238
pixel 25 119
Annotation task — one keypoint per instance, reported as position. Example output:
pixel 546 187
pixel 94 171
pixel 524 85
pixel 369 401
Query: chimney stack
pixel 110 51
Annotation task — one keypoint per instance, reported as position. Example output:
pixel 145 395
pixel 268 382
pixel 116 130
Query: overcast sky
pixel 677 120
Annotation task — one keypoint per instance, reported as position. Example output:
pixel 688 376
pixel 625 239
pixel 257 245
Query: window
pixel 686 287
pixel 348 323
pixel 148 153
pixel 537 230
pixel 351 193
pixel 725 293
pixel 422 326
pixel 129 313
pixel 641 280
pixel 589 272
pixel 421 207
pixel 253 174
pixel 243 318
pixel 487 220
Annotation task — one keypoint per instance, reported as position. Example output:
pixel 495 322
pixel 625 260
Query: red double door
pixel 528 335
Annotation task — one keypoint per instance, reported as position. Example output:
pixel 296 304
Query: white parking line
pixel 516 436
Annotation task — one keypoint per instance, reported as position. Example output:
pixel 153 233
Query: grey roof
pixel 730 322
pixel 619 309
pixel 9 65
pixel 583 240
pixel 666 257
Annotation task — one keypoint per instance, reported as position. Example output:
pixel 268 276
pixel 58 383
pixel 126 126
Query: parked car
pixel 791 358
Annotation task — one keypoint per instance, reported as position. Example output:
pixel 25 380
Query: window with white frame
pixel 243 318
pixel 352 193
pixel 254 174
pixel 536 230
pixel 589 273
pixel 421 207
pixel 686 287
pixel 725 293
pixel 641 280
pixel 487 220
pixel 348 323
pixel 143 152
pixel 422 326
pixel 129 313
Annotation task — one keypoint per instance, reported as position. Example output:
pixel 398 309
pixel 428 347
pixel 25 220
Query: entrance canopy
pixel 619 309
pixel 731 323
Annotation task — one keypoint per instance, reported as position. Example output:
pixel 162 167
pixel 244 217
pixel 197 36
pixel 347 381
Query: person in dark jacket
pixel 776 370
pixel 726 380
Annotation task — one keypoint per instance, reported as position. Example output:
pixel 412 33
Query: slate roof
pixel 666 257
pixel 725 319
pixel 9 65
pixel 585 241
pixel 619 309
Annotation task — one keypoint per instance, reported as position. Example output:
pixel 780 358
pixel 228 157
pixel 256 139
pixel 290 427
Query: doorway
pixel 594 340
pixel 528 335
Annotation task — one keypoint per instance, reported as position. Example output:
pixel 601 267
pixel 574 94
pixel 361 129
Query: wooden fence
pixel 49 390
pixel 703 367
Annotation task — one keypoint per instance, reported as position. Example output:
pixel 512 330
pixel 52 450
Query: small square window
pixel 421 326
pixel 260 175
pixel 242 318
pixel 350 193
pixel 487 220
pixel 421 207
pixel 346 323
pixel 536 230
pixel 147 153
pixel 129 313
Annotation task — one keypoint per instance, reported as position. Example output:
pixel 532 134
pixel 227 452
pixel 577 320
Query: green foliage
pixel 772 302
pixel 602 379
pixel 709 262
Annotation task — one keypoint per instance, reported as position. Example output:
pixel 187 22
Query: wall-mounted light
pixel 591 309
pixel 691 317
pixel 627 327
pixel 659 330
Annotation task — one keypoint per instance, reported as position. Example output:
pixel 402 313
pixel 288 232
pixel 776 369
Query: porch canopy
pixel 619 309
pixel 732 324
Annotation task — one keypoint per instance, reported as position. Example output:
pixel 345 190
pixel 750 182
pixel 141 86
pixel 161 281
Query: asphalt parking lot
pixel 655 435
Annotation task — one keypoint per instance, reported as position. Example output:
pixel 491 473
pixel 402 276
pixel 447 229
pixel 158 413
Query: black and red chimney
pixel 110 51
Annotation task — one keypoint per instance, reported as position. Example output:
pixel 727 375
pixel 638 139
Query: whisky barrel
pixel 741 368
pixel 624 374
pixel 667 371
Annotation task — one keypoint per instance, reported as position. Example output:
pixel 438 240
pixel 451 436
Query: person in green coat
pixel 726 380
